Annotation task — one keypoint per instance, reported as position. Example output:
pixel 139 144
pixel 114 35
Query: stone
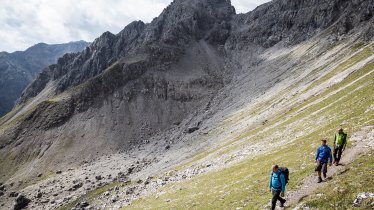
pixel 84 204
pixel 130 191
pixel 160 182
pixel 192 129
pixel 45 201
pixel 130 170
pixel 75 187
pixel 39 195
pixel 58 172
pixel 21 202
pixel 13 194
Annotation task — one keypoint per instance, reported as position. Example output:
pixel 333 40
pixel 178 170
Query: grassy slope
pixel 244 184
pixel 342 191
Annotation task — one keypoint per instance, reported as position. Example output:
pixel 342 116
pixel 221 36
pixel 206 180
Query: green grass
pixel 218 189
pixel 340 193
pixel 358 46
pixel 244 184
pixel 349 97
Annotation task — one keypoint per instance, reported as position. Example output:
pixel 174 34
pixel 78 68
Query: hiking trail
pixel 361 143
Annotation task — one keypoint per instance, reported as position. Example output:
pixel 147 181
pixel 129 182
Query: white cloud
pixel 244 6
pixel 25 23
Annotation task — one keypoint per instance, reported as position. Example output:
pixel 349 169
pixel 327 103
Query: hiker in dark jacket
pixel 340 141
pixel 323 155
pixel 277 186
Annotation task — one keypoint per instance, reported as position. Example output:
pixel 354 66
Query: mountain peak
pixel 183 20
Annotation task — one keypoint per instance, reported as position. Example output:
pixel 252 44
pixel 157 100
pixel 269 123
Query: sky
pixel 24 23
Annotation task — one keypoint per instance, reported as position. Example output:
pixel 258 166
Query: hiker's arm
pixel 330 157
pixel 283 181
pixel 317 153
pixel 269 187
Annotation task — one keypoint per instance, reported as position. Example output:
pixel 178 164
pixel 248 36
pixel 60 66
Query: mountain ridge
pixel 98 75
pixel 192 86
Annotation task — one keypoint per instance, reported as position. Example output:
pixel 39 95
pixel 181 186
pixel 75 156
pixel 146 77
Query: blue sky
pixel 25 23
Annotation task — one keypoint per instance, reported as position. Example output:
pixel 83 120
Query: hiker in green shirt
pixel 340 141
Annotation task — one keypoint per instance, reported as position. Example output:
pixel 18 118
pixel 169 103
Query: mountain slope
pixel 153 86
pixel 18 69
pixel 200 93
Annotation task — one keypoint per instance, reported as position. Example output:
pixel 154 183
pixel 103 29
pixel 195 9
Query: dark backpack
pixel 285 172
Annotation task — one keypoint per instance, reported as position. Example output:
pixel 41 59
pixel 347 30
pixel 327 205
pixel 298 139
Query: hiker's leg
pixel 324 170
pixel 318 170
pixel 274 199
pixel 282 200
pixel 334 154
pixel 340 151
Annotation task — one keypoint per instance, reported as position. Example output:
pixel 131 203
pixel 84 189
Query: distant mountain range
pixel 18 69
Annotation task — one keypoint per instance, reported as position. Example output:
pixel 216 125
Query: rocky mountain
pixel 18 69
pixel 199 92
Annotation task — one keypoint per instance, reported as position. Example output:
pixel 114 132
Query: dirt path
pixel 362 142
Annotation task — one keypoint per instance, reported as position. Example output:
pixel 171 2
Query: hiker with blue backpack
pixel 323 155
pixel 277 185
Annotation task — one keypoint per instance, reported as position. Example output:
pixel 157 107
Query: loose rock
pixel 13 194
pixel 21 202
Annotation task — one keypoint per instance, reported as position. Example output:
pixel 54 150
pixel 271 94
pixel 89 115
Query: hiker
pixel 340 141
pixel 323 155
pixel 277 186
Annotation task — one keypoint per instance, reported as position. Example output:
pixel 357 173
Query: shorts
pixel 321 166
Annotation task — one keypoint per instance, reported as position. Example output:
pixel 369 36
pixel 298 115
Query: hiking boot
pixel 319 180
pixel 324 176
pixel 336 163
pixel 282 203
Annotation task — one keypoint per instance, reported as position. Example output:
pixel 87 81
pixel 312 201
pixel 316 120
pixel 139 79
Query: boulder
pixel 13 194
pixel 21 202
pixel 192 129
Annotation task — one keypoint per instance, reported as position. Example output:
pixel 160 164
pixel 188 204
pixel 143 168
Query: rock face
pixel 18 69
pixel 132 87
